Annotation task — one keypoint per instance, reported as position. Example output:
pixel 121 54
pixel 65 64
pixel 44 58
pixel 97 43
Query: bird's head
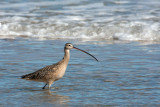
pixel 70 46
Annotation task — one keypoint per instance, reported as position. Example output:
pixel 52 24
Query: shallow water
pixel 127 74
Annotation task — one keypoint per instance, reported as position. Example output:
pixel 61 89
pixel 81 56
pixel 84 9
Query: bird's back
pixel 42 74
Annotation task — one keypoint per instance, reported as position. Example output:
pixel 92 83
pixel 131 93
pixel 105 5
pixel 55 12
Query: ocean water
pixel 124 35
pixel 81 19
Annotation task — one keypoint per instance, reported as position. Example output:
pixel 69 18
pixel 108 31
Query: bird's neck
pixel 66 55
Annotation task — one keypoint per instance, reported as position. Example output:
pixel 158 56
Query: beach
pixel 123 38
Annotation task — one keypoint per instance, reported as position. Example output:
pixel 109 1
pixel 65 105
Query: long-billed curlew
pixel 54 72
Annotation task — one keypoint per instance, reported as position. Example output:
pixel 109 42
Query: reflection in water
pixel 51 97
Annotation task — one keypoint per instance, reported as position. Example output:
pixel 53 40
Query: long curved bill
pixel 86 53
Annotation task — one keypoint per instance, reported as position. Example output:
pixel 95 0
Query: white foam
pixel 75 18
pixel 80 20
pixel 129 31
pixel 120 2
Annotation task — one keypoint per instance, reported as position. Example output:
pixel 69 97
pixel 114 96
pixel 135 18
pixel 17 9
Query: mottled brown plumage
pixel 54 72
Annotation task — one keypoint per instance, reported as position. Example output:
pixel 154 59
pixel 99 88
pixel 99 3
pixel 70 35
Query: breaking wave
pixel 103 20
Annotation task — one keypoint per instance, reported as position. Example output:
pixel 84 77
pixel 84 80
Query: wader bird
pixel 54 72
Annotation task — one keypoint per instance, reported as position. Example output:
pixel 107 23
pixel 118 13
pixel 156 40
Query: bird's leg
pixel 44 86
pixel 49 84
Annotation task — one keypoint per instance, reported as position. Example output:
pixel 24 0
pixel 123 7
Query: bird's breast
pixel 61 71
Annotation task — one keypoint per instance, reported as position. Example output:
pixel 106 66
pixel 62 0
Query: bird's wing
pixel 41 73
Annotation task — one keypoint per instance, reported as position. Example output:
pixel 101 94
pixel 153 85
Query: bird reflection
pixel 53 98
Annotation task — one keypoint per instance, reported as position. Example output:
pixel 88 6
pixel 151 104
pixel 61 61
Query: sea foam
pixel 81 20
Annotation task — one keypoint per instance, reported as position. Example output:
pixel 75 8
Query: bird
pixel 53 72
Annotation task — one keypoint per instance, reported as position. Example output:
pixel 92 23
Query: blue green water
pixel 123 34
pixel 127 74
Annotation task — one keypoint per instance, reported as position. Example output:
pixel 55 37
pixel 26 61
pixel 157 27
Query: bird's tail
pixel 28 76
